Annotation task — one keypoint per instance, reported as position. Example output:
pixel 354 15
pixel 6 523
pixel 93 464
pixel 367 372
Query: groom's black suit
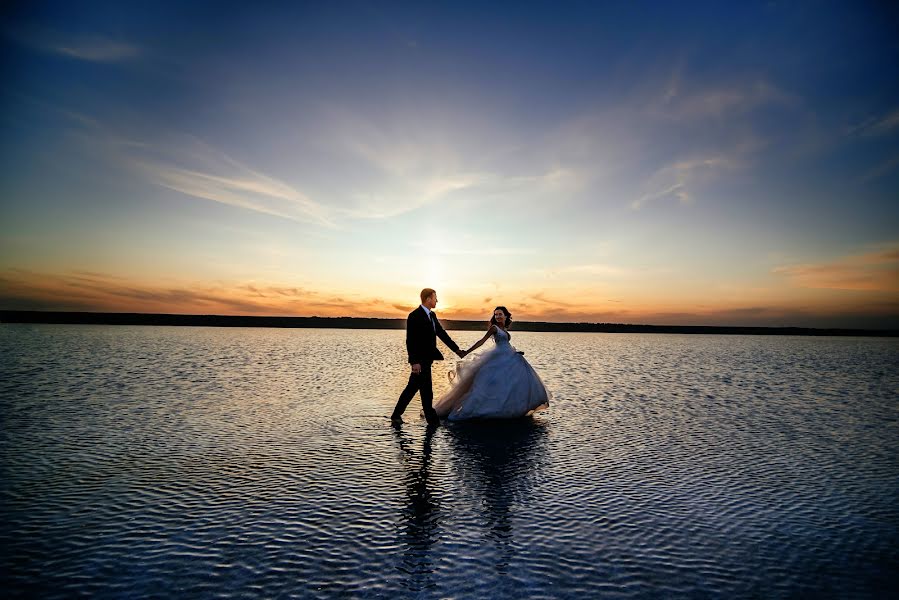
pixel 421 345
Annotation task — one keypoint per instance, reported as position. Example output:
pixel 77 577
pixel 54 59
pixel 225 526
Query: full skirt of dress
pixel 499 384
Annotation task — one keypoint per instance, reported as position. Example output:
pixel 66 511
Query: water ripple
pixel 203 462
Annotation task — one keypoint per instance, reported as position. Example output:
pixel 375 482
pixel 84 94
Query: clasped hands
pixel 416 368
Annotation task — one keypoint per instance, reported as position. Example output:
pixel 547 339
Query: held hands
pixel 461 353
pixel 416 369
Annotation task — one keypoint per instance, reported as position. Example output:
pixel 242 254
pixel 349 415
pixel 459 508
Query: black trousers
pixel 418 383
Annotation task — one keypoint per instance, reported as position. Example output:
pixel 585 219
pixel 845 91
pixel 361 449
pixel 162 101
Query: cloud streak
pixel 88 291
pixel 191 167
pixel 686 100
pixel 403 161
pixel 871 271
pixel 673 182
pixel 88 48
pixel 883 168
pixel 878 125
pixel 242 187
pixel 98 50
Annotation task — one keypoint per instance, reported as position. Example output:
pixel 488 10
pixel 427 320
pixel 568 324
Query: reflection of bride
pixel 498 464
pixel 501 459
pixel 498 384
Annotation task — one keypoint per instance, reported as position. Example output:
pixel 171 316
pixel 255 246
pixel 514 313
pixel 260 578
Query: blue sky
pixel 697 163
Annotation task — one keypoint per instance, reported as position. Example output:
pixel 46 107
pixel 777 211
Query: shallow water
pixel 158 461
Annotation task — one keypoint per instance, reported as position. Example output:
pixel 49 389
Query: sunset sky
pixel 720 163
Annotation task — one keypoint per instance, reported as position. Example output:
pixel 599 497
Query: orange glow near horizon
pixel 85 291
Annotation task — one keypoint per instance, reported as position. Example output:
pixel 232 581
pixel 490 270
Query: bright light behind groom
pixel 707 164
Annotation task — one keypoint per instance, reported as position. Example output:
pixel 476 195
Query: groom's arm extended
pixel 443 335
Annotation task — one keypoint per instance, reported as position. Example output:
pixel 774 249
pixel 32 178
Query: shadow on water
pixel 420 514
pixel 500 460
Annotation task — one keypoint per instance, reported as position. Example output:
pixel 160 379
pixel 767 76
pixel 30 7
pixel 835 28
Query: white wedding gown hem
pixel 498 384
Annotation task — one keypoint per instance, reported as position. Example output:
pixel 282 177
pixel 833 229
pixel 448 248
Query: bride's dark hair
pixel 505 312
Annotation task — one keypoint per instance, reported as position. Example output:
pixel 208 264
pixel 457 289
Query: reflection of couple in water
pixel 497 463
pixel 498 384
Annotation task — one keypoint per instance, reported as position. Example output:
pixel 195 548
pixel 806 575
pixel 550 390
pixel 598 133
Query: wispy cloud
pixel 881 169
pixel 405 162
pixel 98 50
pixel 877 125
pixel 683 99
pixel 556 179
pixel 589 270
pixel 673 182
pixel 90 48
pixel 401 195
pixel 400 162
pixel 540 307
pixel 664 141
pixel 192 167
pixel 476 250
pixel 242 187
pixel 877 270
pixel 83 290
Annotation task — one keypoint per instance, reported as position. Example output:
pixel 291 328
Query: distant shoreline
pixel 98 318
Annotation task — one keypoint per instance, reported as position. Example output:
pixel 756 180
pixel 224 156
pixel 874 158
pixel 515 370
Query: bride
pixel 498 384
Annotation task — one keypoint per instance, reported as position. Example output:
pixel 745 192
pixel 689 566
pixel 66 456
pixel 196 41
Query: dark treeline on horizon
pixel 99 318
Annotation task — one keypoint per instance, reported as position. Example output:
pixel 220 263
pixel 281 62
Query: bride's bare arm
pixel 480 342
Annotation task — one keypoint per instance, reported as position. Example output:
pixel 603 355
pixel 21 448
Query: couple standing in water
pixel 497 384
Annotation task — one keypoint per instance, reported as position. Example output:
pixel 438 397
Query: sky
pixel 698 163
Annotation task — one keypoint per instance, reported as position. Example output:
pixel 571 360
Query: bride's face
pixel 500 317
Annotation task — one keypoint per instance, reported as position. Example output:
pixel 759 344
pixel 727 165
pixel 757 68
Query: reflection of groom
pixel 422 330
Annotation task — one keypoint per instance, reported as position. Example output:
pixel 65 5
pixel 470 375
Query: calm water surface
pixel 214 462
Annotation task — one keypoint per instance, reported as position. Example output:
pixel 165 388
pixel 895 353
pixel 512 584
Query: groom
pixel 422 330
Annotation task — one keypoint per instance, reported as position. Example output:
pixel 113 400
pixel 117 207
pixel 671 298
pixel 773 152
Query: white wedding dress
pixel 499 384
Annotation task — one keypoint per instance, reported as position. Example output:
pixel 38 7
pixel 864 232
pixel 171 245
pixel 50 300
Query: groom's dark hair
pixel 427 293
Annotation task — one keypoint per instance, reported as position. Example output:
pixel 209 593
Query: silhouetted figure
pixel 422 331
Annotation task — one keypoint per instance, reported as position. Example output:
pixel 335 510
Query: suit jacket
pixel 421 338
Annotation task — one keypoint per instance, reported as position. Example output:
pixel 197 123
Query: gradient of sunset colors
pixel 665 163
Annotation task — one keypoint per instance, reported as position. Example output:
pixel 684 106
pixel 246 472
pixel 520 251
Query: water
pixel 211 462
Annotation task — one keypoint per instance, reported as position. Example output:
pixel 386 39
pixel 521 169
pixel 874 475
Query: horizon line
pixel 192 319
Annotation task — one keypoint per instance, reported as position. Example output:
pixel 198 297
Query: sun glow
pixel 434 274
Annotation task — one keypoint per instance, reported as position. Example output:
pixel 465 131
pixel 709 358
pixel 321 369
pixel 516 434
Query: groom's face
pixel 431 302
